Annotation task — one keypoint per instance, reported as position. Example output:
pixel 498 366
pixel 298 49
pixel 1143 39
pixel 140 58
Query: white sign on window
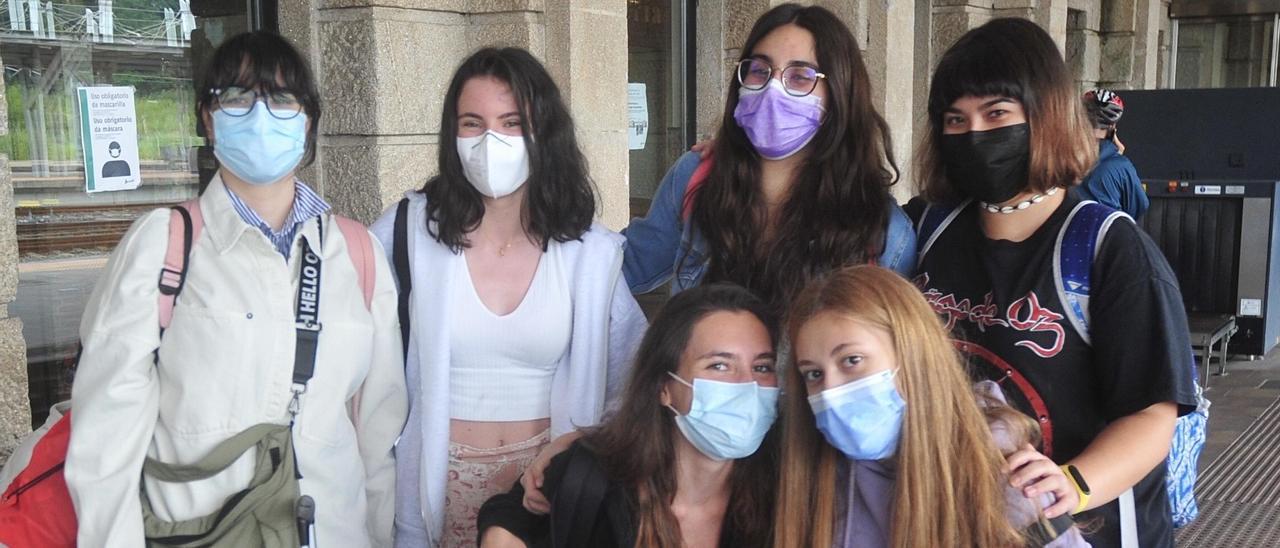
pixel 109 133
pixel 638 117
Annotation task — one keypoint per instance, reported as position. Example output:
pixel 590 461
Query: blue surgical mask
pixel 727 420
pixel 863 418
pixel 258 147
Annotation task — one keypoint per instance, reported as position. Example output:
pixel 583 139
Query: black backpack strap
pixel 400 261
pixel 1044 530
pixel 578 500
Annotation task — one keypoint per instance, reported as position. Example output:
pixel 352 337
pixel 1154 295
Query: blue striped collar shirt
pixel 306 204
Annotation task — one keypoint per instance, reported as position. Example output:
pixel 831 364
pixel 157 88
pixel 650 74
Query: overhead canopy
pixel 1214 8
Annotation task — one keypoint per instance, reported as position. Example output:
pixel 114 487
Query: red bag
pixel 36 509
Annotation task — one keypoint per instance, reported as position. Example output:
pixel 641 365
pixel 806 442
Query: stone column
pixel 1165 36
pixel 953 18
pixel 15 401
pixel 887 34
pixel 1083 46
pixel 297 20
pixel 922 65
pixel 723 26
pixel 1149 17
pixel 713 66
pixel 1051 15
pixel 1131 43
pixel 587 54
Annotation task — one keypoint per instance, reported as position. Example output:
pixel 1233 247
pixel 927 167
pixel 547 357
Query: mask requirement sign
pixel 109 135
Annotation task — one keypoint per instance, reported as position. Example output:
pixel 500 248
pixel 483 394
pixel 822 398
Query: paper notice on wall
pixel 638 117
pixel 109 134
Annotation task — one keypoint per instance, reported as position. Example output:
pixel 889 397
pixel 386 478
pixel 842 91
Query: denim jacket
pixel 657 242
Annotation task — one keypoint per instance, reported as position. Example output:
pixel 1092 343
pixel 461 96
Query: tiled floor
pixel 1236 487
pixel 1238 400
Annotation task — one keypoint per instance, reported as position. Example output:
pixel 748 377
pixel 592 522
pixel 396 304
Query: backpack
pixel 36 508
pixel 581 498
pixel 1076 247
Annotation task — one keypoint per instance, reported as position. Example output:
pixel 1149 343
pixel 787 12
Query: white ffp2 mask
pixel 495 164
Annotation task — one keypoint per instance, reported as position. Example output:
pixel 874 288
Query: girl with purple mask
pixel 797 181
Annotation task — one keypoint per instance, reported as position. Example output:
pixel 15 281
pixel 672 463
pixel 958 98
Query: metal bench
pixel 1208 330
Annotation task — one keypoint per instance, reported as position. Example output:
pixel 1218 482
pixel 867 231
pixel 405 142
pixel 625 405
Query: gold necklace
pixel 502 249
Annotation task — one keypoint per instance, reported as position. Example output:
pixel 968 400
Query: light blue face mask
pixel 863 418
pixel 258 147
pixel 727 420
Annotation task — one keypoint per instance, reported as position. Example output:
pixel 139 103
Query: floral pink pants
pixel 477 474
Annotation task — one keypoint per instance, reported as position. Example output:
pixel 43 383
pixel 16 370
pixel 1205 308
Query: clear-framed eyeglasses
pixel 238 101
pixel 798 80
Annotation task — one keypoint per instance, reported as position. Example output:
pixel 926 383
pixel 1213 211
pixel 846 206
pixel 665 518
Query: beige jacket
pixel 226 364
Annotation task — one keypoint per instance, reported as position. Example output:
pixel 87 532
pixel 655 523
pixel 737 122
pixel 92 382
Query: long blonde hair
pixel 950 487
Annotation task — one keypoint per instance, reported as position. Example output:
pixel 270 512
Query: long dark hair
pixel 1015 58
pixel 252 60
pixel 560 199
pixel 635 444
pixel 837 208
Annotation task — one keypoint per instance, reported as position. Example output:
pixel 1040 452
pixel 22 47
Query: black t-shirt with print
pixel 1000 301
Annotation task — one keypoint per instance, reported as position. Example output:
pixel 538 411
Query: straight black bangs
pixel 981 64
pixel 253 60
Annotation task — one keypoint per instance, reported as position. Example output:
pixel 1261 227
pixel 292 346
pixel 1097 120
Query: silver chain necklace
pixel 1020 205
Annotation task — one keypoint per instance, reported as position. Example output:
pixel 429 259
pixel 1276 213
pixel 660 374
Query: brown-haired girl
pixel 798 179
pixel 885 444
pixel 681 462
pixel 1006 137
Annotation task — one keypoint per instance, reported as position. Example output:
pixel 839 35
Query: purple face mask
pixel 778 124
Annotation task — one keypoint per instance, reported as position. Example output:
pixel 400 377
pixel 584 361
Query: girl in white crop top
pixel 533 338
pixel 520 327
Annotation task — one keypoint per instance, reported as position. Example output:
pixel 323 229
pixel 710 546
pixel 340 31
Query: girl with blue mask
pixel 267 258
pixel 686 459
pixel 884 442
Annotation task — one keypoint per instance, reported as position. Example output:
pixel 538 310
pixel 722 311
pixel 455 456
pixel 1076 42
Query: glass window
pixel 657 94
pixel 50 52
pixel 1227 52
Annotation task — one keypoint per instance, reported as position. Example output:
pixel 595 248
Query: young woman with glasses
pixel 226 362
pixel 521 327
pixel 797 182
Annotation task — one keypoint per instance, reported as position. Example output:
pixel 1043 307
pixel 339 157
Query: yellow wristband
pixel 1082 492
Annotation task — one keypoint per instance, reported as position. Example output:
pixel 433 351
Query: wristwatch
pixel 1082 487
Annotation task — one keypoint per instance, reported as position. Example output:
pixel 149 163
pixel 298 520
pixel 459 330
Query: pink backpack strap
pixel 176 255
pixel 698 177
pixel 360 249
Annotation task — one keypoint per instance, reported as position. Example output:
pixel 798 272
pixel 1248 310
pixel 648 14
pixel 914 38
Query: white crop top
pixel 501 366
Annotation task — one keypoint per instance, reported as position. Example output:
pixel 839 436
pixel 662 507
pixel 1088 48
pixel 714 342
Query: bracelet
pixel 1077 481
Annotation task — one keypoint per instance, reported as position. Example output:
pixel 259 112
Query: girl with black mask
pixel 1096 349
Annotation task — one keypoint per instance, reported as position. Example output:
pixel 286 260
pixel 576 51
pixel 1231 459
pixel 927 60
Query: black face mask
pixel 990 166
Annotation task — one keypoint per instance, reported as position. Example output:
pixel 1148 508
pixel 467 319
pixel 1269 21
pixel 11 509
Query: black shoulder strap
pixel 400 261
pixel 1044 530
pixel 307 314
pixel 578 501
